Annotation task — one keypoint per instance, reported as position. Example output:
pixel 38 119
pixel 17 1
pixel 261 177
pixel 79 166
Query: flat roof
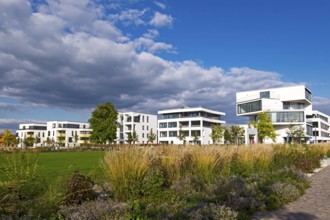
pixel 189 109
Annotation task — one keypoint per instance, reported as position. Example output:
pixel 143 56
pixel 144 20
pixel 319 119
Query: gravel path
pixel 314 204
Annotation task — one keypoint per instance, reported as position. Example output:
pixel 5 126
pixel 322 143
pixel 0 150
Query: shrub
pixel 79 189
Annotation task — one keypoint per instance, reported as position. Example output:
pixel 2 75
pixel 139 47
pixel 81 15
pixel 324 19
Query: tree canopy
pixel 151 137
pixel 216 134
pixel 265 127
pixel 237 132
pixel 103 123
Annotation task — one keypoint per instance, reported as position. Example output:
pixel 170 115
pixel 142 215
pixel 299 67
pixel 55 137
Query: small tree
pixel 237 132
pixel 151 136
pixel 8 138
pixel 28 141
pixel 195 137
pixel 75 139
pixel 104 123
pixel 227 136
pixel 296 133
pixel 181 135
pixel 132 137
pixel 264 126
pixel 216 134
pixel 37 140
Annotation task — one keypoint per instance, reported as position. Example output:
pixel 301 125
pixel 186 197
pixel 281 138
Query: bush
pixel 79 190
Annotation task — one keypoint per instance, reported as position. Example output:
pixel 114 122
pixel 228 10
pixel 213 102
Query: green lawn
pixel 52 164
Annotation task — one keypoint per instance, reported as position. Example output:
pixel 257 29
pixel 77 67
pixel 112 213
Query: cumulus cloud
pixel 160 20
pixel 130 16
pixel 70 54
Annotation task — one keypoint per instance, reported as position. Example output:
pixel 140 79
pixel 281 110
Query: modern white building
pixel 287 107
pixel 195 123
pixel 35 131
pixel 321 126
pixel 141 123
pixel 68 133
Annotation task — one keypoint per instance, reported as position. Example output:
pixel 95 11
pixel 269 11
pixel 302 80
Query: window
pixel 147 128
pixel 287 116
pixel 308 95
pixel 286 105
pixel 147 119
pixel 172 124
pixel 163 125
pixel 142 135
pixel 173 134
pixel 142 118
pixel 249 107
pixel 265 94
pixel 142 127
pixel 163 134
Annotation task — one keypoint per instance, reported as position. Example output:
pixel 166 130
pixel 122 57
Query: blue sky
pixel 59 59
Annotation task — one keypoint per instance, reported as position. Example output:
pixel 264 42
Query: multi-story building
pixel 194 123
pixel 67 133
pixel 35 131
pixel 321 126
pixel 286 106
pixel 141 123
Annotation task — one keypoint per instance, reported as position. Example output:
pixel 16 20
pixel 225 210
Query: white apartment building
pixel 141 123
pixel 287 107
pixel 68 133
pixel 321 126
pixel 32 130
pixel 193 122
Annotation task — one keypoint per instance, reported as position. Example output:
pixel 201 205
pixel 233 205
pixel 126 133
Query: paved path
pixel 314 204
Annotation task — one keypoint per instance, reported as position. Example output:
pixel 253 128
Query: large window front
pixel 163 125
pixel 249 107
pixel 172 124
pixel 287 117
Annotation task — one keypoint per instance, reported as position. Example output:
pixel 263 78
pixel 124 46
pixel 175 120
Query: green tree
pixel 296 133
pixel 181 135
pixel 227 136
pixel 264 126
pixel 75 139
pixel 103 124
pixel 28 141
pixel 151 136
pixel 37 140
pixel 237 132
pixel 216 134
pixel 132 137
pixel 9 139
pixel 195 137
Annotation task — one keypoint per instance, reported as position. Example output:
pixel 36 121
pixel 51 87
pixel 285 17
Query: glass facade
pixel 249 107
pixel 265 94
pixel 308 95
pixel 278 117
pixel 163 125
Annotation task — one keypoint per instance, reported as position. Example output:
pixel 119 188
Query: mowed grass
pixel 52 164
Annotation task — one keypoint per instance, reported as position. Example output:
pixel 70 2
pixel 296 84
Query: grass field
pixel 53 164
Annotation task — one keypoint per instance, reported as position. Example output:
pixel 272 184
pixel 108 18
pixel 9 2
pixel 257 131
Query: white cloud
pixel 130 16
pixel 160 20
pixel 58 60
pixel 160 4
pixel 152 33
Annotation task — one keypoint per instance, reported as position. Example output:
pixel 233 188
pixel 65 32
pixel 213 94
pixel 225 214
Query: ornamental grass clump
pixel 206 163
pixel 125 169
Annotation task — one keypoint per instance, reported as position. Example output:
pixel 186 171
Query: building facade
pixel 286 106
pixel 141 123
pixel 35 131
pixel 321 126
pixel 54 133
pixel 68 133
pixel 195 124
